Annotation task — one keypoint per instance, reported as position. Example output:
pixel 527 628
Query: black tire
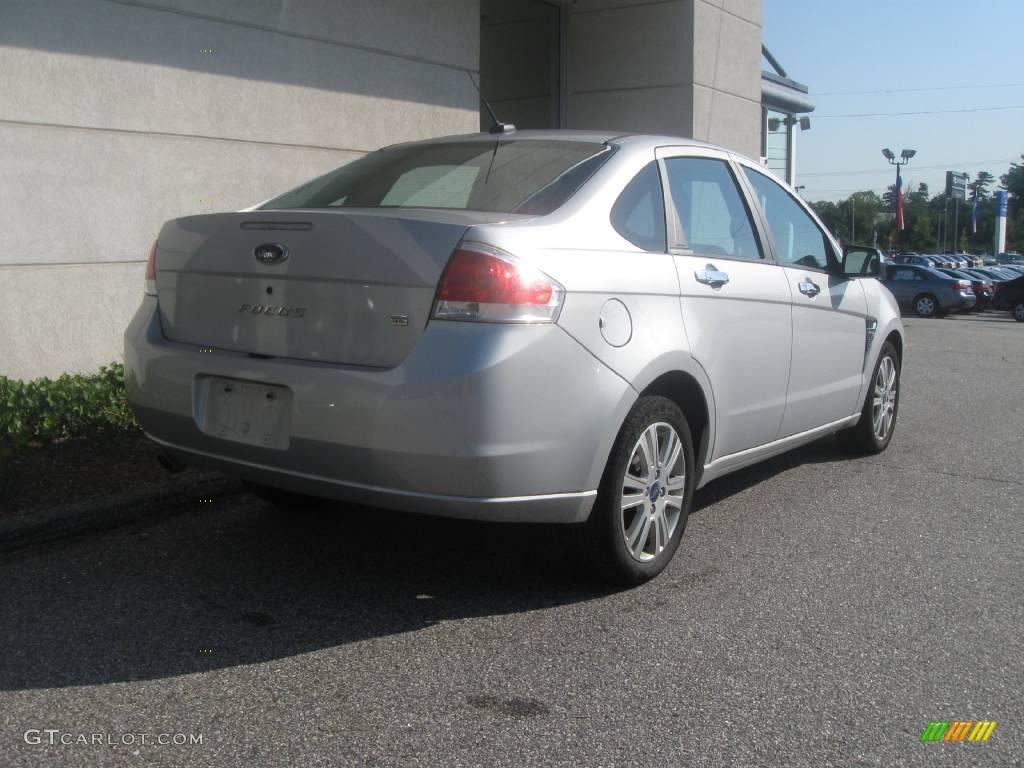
pixel 1017 310
pixel 862 438
pixel 608 556
pixel 926 305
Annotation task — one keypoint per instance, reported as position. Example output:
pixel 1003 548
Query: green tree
pixel 982 182
pixel 1013 182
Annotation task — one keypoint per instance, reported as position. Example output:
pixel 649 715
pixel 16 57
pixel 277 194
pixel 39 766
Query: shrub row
pixel 70 406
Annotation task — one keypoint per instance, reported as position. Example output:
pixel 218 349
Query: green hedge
pixel 70 406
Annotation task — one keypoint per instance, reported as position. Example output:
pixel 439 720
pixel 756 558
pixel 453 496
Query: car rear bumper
pixel 495 422
pixel 962 301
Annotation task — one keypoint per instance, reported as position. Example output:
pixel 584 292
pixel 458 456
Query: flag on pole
pixel 899 203
pixel 974 213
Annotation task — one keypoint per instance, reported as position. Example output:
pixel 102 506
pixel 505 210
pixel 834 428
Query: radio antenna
pixel 496 125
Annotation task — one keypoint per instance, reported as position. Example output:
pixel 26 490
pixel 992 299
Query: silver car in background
pixel 563 327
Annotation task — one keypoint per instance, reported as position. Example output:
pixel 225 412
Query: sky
pixel 973 51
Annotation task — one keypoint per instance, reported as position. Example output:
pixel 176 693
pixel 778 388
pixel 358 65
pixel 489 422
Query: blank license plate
pixel 245 412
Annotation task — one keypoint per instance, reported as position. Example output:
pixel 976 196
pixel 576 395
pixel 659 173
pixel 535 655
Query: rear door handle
pixel 809 288
pixel 712 276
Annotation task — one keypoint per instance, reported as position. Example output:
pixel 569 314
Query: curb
pixel 108 512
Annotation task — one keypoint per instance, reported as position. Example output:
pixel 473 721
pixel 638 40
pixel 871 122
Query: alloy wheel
pixel 925 306
pixel 652 492
pixel 883 406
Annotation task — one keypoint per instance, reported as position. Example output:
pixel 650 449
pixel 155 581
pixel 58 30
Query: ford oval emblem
pixel 270 253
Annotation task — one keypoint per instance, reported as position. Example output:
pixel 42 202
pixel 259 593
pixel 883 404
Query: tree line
pixel 865 217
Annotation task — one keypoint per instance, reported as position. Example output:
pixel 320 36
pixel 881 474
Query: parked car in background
pixel 927 292
pixel 914 258
pixel 1010 296
pixel 546 326
pixel 983 290
pixel 1012 257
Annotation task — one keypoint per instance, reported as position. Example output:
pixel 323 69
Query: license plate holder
pixel 246 412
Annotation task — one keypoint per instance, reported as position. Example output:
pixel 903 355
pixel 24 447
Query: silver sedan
pixel 563 327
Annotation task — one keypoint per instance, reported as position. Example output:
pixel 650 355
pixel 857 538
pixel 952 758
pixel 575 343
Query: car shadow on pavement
pixel 236 582
pixel 824 450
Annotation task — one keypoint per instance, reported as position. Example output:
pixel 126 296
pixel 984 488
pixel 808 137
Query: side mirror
pixel 862 262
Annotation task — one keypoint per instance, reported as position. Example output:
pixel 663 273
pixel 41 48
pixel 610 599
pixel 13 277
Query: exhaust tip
pixel 171 464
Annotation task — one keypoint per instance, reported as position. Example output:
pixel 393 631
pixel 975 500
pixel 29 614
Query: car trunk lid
pixel 352 287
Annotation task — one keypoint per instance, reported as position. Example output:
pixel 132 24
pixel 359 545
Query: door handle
pixel 809 288
pixel 712 276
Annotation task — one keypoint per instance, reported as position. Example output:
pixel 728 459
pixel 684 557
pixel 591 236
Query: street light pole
pixel 903 159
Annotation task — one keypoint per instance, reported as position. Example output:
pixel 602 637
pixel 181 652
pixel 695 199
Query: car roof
pixel 554 134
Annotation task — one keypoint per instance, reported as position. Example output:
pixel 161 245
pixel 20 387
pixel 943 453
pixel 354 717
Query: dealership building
pixel 116 115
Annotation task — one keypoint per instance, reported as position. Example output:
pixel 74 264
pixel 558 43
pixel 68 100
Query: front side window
pixel 711 211
pixel 639 213
pixel 798 240
pixel 530 176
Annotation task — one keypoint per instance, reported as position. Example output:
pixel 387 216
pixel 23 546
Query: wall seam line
pixel 172 135
pixel 271 30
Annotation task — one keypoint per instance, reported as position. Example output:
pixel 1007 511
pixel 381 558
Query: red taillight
pixel 486 284
pixel 151 271
pixel 962 285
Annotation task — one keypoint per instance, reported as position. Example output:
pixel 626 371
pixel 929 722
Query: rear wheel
pixel 926 305
pixel 645 495
pixel 878 416
pixel 1018 311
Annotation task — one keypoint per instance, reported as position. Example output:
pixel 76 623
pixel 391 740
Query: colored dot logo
pixel 206 650
pixel 206 50
pixel 206 501
pixel 206 349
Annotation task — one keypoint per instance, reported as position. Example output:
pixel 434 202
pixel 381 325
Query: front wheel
pixel 1018 311
pixel 645 496
pixel 881 405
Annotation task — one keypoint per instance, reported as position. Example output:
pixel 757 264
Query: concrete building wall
pixel 727 74
pixel 116 115
pixel 682 67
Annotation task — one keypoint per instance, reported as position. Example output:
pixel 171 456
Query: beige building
pixel 116 115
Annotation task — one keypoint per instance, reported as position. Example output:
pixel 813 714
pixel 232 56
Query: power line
pixel 941 167
pixel 923 88
pixel 926 112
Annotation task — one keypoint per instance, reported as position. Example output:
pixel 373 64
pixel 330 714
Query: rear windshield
pixel 508 176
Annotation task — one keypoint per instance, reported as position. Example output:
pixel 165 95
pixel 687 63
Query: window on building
pixel 776 147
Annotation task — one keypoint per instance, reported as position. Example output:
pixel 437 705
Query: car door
pixel 829 311
pixel 735 302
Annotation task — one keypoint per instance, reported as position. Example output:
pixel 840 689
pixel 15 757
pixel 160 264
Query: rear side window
pixel 904 274
pixel 639 213
pixel 506 176
pixel 714 218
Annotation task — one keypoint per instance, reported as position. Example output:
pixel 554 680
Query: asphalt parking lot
pixel 821 611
